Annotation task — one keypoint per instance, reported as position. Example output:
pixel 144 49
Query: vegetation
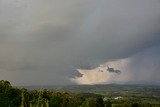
pixel 106 97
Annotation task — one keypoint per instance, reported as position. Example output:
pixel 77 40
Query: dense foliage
pixel 16 97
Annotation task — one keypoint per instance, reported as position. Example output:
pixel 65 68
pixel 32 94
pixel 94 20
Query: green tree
pixel 9 96
pixel 108 103
pixel 99 102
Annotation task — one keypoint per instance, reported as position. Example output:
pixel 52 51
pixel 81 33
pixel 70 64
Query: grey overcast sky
pixel 42 42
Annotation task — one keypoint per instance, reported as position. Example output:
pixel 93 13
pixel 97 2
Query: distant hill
pixel 109 89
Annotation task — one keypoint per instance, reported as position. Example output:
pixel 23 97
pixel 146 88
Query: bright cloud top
pixel 140 68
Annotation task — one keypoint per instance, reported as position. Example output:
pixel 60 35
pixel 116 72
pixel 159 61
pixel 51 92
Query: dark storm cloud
pixel 47 39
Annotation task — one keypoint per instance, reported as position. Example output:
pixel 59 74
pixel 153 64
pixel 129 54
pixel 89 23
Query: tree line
pixel 21 97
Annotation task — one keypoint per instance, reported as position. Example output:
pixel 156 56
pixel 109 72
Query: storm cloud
pixel 43 42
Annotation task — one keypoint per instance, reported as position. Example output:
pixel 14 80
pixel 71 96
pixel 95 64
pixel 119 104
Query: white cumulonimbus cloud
pixel 140 68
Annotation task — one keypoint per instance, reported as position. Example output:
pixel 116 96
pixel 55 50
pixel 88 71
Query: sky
pixel 63 42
